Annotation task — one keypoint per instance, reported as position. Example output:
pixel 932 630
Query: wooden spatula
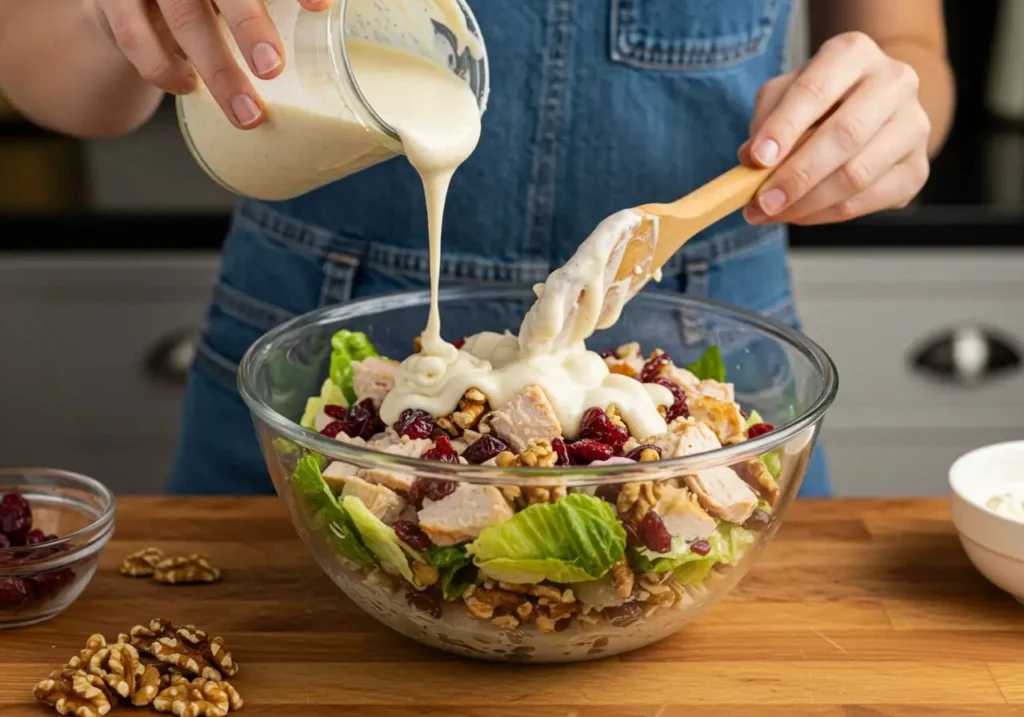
pixel 684 218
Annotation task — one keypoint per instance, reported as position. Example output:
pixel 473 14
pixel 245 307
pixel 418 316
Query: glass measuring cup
pixel 319 127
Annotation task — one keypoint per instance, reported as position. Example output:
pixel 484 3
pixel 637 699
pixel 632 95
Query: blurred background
pixel 109 249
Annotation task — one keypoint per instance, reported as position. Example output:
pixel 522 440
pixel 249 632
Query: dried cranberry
pixel 678 407
pixel 758 521
pixel 562 451
pixel 34 537
pixel 15 517
pixel 338 413
pixel 362 420
pixel 417 492
pixel 700 547
pixel 588 450
pixel 759 429
pixel 653 367
pixel 632 534
pixel 14 593
pixel 654 533
pixel 608 492
pixel 443 451
pixel 484 449
pixel 428 601
pixel 609 353
pixel 438 489
pixel 411 534
pixel 634 455
pixel 51 584
pixel 332 429
pixel 459 343
pixel 415 423
pixel 597 426
pixel 622 615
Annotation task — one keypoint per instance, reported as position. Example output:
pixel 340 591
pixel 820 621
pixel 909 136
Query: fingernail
pixel 766 152
pixel 247 112
pixel 265 58
pixel 772 201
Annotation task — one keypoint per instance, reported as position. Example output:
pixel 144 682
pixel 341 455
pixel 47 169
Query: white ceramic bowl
pixel 995 544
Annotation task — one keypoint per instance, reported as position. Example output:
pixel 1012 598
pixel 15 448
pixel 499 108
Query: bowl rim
pixel 957 476
pixel 579 475
pixel 105 518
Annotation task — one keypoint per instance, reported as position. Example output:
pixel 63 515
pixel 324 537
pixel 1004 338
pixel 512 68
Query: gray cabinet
pixel 893 429
pixel 77 389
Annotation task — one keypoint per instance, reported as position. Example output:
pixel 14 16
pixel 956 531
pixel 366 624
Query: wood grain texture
pixel 859 608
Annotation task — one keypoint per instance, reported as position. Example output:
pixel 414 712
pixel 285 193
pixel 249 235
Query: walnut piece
pixel 141 564
pixel 506 459
pixel 187 648
pixel 74 692
pixel 199 698
pixel 538 454
pixel 623 577
pixel 121 668
pixel 472 406
pixel 485 604
pixel 635 499
pixel 93 645
pixel 425 575
pixel 185 570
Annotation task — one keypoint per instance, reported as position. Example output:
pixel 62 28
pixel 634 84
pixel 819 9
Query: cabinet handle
pixel 170 360
pixel 967 355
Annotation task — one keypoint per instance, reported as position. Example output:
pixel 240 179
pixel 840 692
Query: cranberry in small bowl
pixel 53 526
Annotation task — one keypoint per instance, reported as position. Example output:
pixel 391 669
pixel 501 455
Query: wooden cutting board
pixel 857 609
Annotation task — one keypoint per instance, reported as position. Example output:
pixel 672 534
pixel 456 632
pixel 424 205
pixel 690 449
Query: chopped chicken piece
pixel 723 418
pixel 373 378
pixel 680 376
pixel 382 502
pixel 682 515
pixel 627 360
pixel 337 473
pixel 756 474
pixel 462 515
pixel 396 445
pixel 709 387
pixel 529 416
pixel 723 494
pixel 685 438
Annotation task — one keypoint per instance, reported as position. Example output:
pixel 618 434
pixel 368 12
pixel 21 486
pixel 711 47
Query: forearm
pixel 938 89
pixel 59 67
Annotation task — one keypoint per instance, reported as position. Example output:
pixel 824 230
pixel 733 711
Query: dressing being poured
pixel 438 120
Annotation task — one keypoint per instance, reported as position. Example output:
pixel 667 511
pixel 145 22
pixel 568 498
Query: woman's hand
pixel 869 151
pixel 171 41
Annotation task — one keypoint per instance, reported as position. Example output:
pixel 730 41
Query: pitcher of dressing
pixel 320 124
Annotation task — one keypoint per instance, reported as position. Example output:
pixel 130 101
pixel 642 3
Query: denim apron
pixel 596 105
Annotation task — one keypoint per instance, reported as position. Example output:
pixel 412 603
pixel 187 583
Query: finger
pixel 255 34
pixel 315 5
pixel 837 67
pixel 895 141
pixel 138 40
pixel 767 99
pixel 194 26
pixel 893 191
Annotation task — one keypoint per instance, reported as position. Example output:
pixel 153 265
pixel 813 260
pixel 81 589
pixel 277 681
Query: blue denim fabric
pixel 596 105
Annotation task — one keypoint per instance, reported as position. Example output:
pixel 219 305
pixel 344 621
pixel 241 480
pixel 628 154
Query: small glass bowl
pixel 37 582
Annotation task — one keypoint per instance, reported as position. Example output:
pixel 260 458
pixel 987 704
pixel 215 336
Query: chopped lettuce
pixel 576 539
pixel 709 365
pixel 773 459
pixel 457 573
pixel 378 536
pixel 330 395
pixel 326 513
pixel 728 543
pixel 347 348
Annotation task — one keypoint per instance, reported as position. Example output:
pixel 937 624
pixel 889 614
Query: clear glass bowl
pixel 37 582
pixel 776 371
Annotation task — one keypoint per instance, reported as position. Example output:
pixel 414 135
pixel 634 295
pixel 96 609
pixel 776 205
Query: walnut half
pixel 198 698
pixel 120 667
pixel 186 570
pixel 187 648
pixel 141 564
pixel 74 692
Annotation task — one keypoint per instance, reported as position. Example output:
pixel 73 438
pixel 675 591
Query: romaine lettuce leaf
pixel 773 459
pixel 728 543
pixel 457 572
pixel 325 513
pixel 330 395
pixel 576 539
pixel 709 365
pixel 378 536
pixel 348 347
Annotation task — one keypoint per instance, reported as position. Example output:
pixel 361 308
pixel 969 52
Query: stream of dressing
pixel 438 120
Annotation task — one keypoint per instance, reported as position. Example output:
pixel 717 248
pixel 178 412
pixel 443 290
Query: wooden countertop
pixel 858 608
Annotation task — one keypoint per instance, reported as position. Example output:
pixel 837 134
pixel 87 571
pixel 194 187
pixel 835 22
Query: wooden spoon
pixel 684 218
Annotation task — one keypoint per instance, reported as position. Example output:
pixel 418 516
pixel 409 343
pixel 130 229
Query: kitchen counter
pixel 858 608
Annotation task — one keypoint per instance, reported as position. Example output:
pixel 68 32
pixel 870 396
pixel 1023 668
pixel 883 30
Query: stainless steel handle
pixel 967 355
pixel 170 360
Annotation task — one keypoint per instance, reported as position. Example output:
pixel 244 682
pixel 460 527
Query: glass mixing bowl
pixel 785 377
